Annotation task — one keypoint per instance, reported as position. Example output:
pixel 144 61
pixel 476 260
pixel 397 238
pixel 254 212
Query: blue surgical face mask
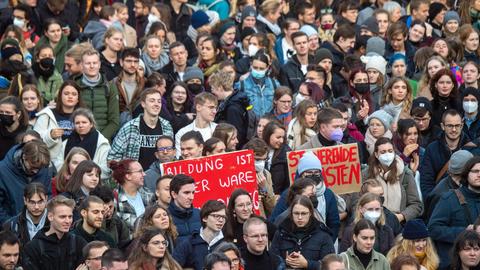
pixel 258 74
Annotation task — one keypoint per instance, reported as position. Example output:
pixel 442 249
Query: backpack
pixel 252 121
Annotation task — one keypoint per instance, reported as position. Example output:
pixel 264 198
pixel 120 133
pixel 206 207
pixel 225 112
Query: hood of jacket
pixel 94 27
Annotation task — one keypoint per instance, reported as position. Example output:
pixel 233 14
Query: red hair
pixel 120 169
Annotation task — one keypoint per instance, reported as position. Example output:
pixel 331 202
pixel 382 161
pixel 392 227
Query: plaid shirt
pixel 127 142
pixel 125 210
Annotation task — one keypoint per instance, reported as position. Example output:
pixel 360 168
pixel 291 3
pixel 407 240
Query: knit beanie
pixel 376 45
pixel 249 11
pixel 309 161
pixel 141 63
pixel 227 25
pixel 309 30
pixel 377 62
pixel 458 161
pixel 451 15
pixel 247 31
pixel 471 91
pixel 434 9
pixel 10 41
pixel 321 54
pixel 199 18
pixel 415 229
pixel 422 102
pixel 383 117
pixel 371 25
pixel 7 52
pixel 193 73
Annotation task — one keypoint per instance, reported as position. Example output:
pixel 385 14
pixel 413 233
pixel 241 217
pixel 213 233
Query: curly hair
pixel 406 246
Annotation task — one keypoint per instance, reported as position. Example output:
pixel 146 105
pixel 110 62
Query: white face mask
pixel 299 98
pixel 259 165
pixel 386 159
pixel 18 22
pixel 373 216
pixel 252 50
pixel 470 106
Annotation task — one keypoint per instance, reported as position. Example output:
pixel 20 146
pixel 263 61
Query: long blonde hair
pixel 387 97
pixel 367 198
pixel 425 79
pixel 64 174
pixel 405 246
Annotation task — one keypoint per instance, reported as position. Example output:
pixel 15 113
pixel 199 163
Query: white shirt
pixel 206 133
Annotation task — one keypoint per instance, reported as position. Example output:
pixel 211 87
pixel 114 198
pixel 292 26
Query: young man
pixel 129 83
pixel 206 108
pixel 421 112
pixel 165 153
pixel 192 251
pixel 292 74
pixel 98 95
pixel 142 9
pixel 256 255
pixel 330 131
pixel 114 259
pixel 55 247
pixel 217 261
pixel 419 11
pixel 181 15
pixel 305 12
pixel 92 253
pixel 175 69
pixel 89 227
pixel 397 35
pixel 191 145
pixel 233 105
pixel 136 139
pixel 185 217
pixel 9 250
pixel 73 60
pixel 333 262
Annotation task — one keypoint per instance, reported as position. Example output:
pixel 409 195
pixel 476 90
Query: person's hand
pixel 52 104
pixel 363 112
pixel 261 180
pixel 82 266
pixel 400 217
pixel 56 133
pixel 29 44
pixel 414 162
pixel 296 260
pixel 66 30
pixel 429 30
pixel 408 150
pixel 171 37
pixel 190 116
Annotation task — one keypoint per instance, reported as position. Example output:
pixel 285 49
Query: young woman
pixel 54 124
pixel 397 98
pixel 209 58
pixel 73 158
pixel 233 253
pixel 398 63
pixel 14 32
pixel 416 242
pixel 432 66
pixel 361 254
pixel 379 125
pixel 262 122
pixel 406 142
pixel 86 136
pixel 180 106
pixel 109 58
pixel 470 39
pixel 445 94
pixel 48 77
pixel 152 252
pixel 274 136
pixel 376 68
pixel 227 134
pixel 284 44
pixel 416 33
pixel 470 75
pixel 128 32
pixel 466 251
pixel 310 91
pixel 446 50
pixel 32 101
pixel 156 216
pixel 53 36
pixel 153 55
pixel 359 89
pixel 303 126
pixel 400 191
pixel 451 24
pixel 282 105
pixel 13 121
pixel 267 19
pixel 213 146
pixel 369 206
pixel 258 42
pixel 85 178
pixel 301 240
pixel 226 31
pixel 470 99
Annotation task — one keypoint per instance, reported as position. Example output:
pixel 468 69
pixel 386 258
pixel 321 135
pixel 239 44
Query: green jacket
pixel 103 101
pixel 49 89
pixel 378 261
pixel 59 51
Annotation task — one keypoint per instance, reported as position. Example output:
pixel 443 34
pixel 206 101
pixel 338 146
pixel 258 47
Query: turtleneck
pixel 324 141
pixel 364 258
pixel 91 82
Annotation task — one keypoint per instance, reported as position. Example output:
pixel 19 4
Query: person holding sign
pixel 301 240
pixel 400 190
pixel 329 122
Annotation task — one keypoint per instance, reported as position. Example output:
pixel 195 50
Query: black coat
pixel 279 170
pixel 233 110
pixel 291 74
pixel 70 16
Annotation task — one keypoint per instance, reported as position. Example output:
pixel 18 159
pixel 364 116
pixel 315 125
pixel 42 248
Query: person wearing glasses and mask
pixel 191 253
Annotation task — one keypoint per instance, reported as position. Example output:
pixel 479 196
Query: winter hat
pixel 7 52
pixel 199 18
pixel 247 31
pixel 422 102
pixel 390 6
pixel 321 54
pixel 451 15
pixel 471 91
pixel 141 63
pixel 309 30
pixel 10 41
pixel 458 161
pixel 249 11
pixel 377 62
pixel 193 73
pixel 227 25
pixel 360 41
pixel 371 25
pixel 415 229
pixel 383 116
pixel 397 56
pixel 435 8
pixel 376 45
pixel 309 161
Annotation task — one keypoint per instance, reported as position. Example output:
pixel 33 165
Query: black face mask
pixel 314 201
pixel 195 88
pixel 44 68
pixel 6 120
pixel 362 88
pixel 318 178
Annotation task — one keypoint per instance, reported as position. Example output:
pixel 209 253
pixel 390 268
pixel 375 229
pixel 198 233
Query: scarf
pixel 229 49
pixel 370 140
pixel 89 142
pixel 392 191
pixel 285 118
pixel 207 70
pixel 322 204
pixel 393 110
pixel 91 83
pixel 152 65
pixel 273 27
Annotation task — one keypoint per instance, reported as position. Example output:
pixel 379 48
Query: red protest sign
pixel 217 176
pixel 340 166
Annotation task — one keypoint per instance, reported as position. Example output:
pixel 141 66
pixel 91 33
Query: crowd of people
pixel 95 95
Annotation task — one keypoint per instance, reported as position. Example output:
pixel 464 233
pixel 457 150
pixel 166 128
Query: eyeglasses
pixel 235 261
pixel 259 236
pixel 424 119
pixel 34 203
pixel 326 11
pixel 165 149
pixel 458 126
pixel 137 171
pixel 301 214
pixel 218 217
pixel 163 243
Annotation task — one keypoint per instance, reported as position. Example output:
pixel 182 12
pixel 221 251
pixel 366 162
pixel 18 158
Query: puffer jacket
pixel 233 110
pixel 187 221
pixel 103 101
